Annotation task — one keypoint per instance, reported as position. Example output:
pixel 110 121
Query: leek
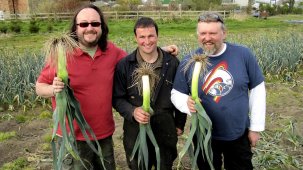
pixel 57 50
pixel 148 78
pixel 201 124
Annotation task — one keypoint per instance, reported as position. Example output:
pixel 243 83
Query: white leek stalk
pixel 195 81
pixel 201 125
pixel 146 93
pixel 141 144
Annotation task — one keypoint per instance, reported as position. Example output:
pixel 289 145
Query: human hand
pixel 141 116
pixel 179 131
pixel 172 49
pixel 253 138
pixel 191 105
pixel 57 85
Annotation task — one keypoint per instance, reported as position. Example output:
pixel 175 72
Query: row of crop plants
pixel 18 72
pixel 33 26
pixel 279 55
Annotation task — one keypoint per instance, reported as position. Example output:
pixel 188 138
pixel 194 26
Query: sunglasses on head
pixel 86 24
pixel 210 18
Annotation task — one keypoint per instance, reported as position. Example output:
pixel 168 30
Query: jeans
pixel 235 154
pixel 89 157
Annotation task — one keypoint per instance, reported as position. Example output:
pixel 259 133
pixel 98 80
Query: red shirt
pixel 92 81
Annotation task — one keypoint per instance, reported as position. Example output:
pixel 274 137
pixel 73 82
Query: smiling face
pixel 211 37
pixel 147 40
pixel 88 36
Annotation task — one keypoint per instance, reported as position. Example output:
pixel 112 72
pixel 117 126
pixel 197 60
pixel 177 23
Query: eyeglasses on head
pixel 210 17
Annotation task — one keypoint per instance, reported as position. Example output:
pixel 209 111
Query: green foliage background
pixel 277 44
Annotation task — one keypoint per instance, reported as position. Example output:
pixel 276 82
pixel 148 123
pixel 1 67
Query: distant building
pixel 244 3
pixel 24 6
pixel 14 6
pixel 241 3
pixel 154 1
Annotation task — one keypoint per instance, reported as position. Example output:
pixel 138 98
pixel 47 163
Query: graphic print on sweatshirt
pixel 218 82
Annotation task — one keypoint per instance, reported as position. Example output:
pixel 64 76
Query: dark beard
pixel 92 44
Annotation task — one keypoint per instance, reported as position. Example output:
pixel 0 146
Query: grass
pixel 7 135
pixel 46 145
pixel 280 145
pixel 251 24
pixel 23 41
pixel 45 114
pixel 167 28
pixel 22 117
pixel 6 116
pixel 18 164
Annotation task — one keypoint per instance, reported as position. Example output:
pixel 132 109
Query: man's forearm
pixel 180 101
pixel 45 90
pixel 257 108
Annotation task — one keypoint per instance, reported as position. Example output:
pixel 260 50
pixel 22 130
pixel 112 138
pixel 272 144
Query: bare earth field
pixel 284 104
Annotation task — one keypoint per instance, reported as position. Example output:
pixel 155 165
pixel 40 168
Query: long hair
pixel 102 42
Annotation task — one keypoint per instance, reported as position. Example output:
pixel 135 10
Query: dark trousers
pixel 164 131
pixel 89 157
pixel 235 154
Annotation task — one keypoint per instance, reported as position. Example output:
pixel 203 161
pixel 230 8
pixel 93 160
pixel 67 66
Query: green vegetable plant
pixel 59 50
pixel 201 124
pixel 147 78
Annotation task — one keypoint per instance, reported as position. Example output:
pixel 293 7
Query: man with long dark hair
pixel 90 72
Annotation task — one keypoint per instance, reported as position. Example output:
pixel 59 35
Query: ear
pixel 224 34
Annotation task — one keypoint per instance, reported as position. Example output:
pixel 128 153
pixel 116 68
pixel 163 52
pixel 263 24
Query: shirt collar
pixel 221 52
pixel 156 64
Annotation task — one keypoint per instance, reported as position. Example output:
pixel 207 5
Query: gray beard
pixel 207 51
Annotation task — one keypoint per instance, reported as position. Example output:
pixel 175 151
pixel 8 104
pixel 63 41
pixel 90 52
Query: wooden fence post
pixel 119 14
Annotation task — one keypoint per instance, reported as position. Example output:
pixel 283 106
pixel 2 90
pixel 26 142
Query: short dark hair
pixel 102 42
pixel 145 22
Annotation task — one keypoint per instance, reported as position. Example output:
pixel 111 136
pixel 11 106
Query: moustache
pixel 208 43
pixel 90 32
